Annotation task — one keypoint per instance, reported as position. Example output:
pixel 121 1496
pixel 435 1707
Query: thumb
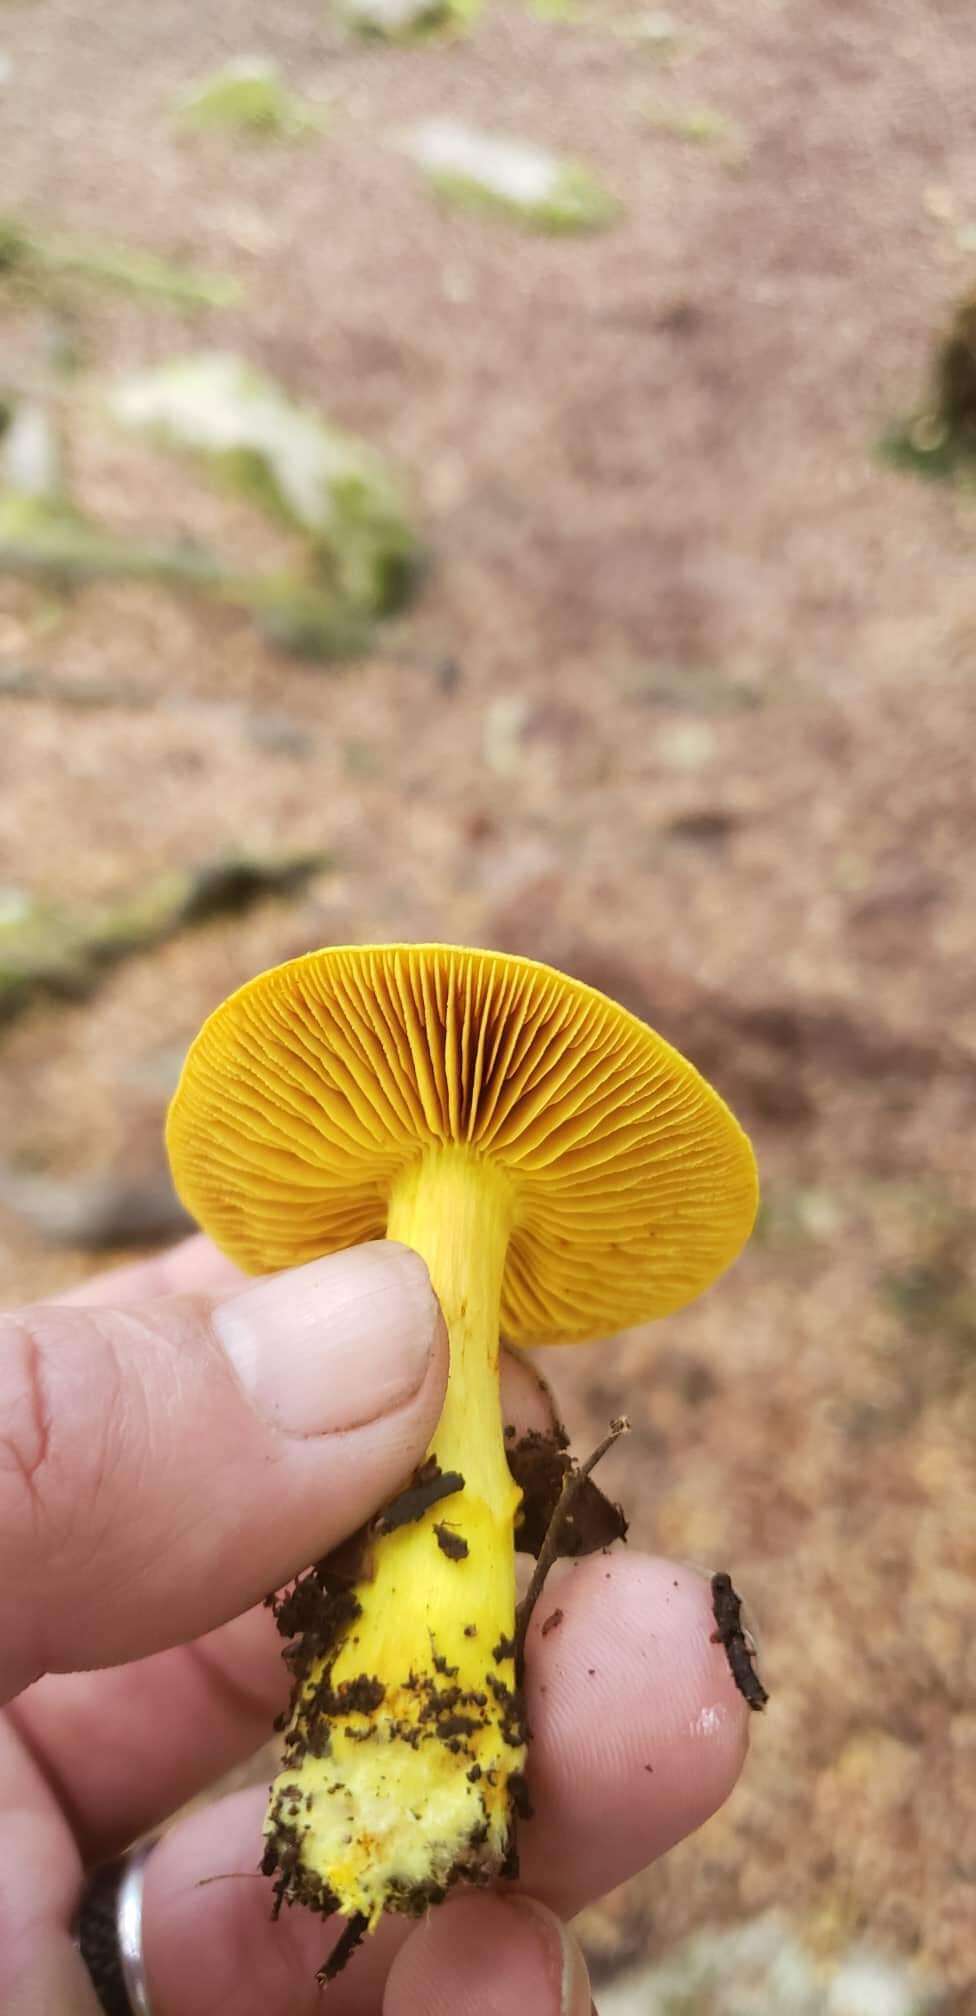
pixel 163 1467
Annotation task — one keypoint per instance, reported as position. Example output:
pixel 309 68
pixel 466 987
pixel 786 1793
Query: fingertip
pixel 485 1956
pixel 638 1723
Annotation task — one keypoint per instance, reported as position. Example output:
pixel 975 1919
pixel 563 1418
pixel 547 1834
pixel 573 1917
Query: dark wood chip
pixel 739 1651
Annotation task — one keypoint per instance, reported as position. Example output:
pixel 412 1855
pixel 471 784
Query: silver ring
pixel 108 1933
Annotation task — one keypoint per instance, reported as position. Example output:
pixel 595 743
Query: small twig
pixel 230 1876
pixel 575 1477
pixel 343 1949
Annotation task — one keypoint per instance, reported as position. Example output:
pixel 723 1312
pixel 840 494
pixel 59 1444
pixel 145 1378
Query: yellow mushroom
pixel 563 1172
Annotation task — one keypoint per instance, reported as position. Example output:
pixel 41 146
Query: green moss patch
pixel 407 20
pixel 939 442
pixel 514 178
pixel 249 99
pixel 333 488
pixel 42 259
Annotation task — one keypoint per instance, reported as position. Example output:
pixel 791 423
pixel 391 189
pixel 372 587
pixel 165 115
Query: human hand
pixel 174 1442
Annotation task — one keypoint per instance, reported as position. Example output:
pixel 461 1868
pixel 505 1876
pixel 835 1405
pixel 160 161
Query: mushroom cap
pixel 314 1086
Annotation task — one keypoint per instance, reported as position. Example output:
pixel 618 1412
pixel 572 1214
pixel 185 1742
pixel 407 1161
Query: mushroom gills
pixel 405 1748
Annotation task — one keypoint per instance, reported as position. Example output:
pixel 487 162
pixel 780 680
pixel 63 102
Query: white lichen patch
pixel 398 20
pixel 30 452
pixel 331 486
pixel 536 187
pixel 768 1964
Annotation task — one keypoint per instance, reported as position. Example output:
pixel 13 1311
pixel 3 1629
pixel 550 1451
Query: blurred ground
pixel 686 704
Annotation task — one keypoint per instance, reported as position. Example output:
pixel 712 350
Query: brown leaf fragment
pixel 540 1465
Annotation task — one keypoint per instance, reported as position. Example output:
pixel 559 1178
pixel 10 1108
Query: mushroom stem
pixel 455 1210
pixel 405 1751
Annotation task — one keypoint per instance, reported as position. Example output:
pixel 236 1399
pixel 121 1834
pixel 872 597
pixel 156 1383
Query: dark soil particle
pixel 295 1885
pixel 457 1725
pixel 417 1900
pixel 320 1611
pixel 360 1696
pixel 505 1649
pixel 471 1630
pixel 450 1543
pixel 428 1485
pixel 518 1792
pixel 552 1622
pixel 315 1606
pixel 729 1633
pixel 514 1727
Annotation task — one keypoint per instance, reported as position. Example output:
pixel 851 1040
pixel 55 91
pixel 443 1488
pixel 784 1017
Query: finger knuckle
pixel 25 1421
pixel 53 1443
